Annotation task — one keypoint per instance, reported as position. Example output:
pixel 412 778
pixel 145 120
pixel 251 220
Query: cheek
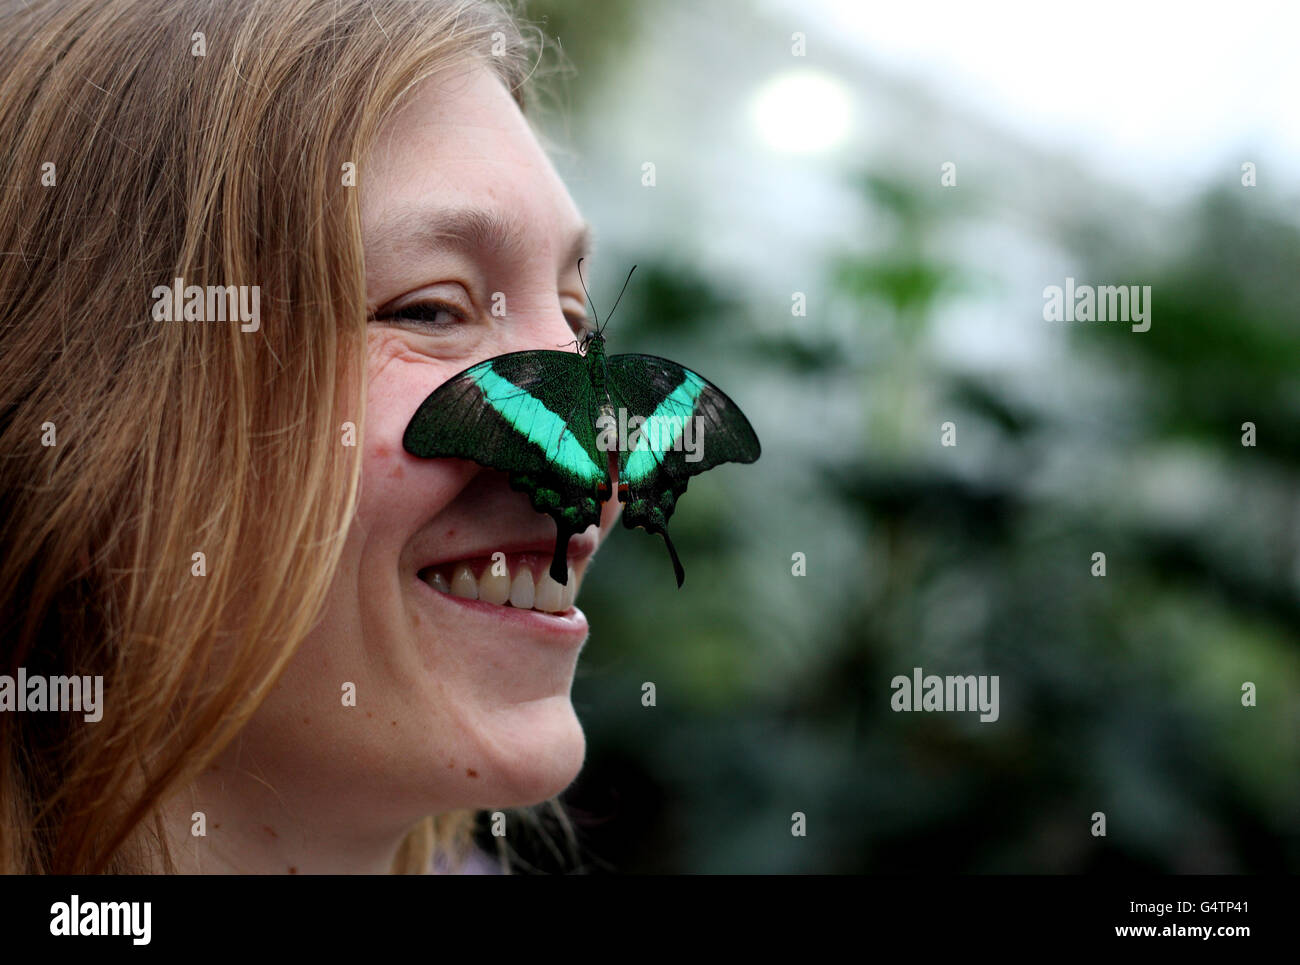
pixel 396 487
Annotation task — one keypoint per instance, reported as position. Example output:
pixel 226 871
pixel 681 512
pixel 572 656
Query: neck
pixel 252 827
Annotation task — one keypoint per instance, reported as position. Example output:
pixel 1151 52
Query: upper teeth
pixel 521 591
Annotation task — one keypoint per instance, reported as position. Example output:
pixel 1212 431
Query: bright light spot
pixel 802 112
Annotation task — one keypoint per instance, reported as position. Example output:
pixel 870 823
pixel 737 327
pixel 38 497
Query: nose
pixel 552 327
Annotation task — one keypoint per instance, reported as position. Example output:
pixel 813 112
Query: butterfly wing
pixel 690 427
pixel 531 414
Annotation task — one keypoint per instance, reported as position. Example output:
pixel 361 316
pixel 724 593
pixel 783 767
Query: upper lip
pixel 581 547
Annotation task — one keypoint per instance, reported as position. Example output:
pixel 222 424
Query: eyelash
pixel 432 307
pixel 580 325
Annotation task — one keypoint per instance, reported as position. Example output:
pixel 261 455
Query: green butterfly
pixel 553 419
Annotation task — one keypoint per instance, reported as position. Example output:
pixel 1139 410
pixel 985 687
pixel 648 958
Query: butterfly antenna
pixel 594 314
pixel 619 299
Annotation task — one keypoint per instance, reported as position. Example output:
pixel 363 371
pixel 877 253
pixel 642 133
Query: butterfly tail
pixel 677 564
pixel 560 561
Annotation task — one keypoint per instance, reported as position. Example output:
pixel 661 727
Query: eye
pixel 431 315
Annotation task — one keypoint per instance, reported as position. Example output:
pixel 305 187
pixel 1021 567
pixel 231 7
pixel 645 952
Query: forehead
pixel 460 140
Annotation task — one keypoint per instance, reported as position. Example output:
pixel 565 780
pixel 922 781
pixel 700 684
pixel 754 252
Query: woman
pixel 207 503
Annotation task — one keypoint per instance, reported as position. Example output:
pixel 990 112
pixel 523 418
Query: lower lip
pixel 569 626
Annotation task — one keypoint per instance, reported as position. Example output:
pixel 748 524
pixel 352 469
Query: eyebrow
pixel 480 229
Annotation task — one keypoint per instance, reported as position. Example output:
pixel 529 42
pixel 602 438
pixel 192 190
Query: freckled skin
pixel 344 791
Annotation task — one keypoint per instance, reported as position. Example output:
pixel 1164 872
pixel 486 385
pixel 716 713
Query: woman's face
pixel 459 702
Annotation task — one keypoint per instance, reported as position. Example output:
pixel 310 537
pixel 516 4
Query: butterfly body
pixel 555 421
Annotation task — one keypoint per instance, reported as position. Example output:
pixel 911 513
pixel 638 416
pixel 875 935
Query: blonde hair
pixel 146 140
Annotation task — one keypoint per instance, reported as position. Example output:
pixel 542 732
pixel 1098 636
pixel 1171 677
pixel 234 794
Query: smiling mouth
pixel 519 580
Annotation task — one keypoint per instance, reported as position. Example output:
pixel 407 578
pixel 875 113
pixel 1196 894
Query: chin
pixel 538 758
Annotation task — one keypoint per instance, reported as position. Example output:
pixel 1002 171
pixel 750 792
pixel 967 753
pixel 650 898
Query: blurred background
pixel 799 153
